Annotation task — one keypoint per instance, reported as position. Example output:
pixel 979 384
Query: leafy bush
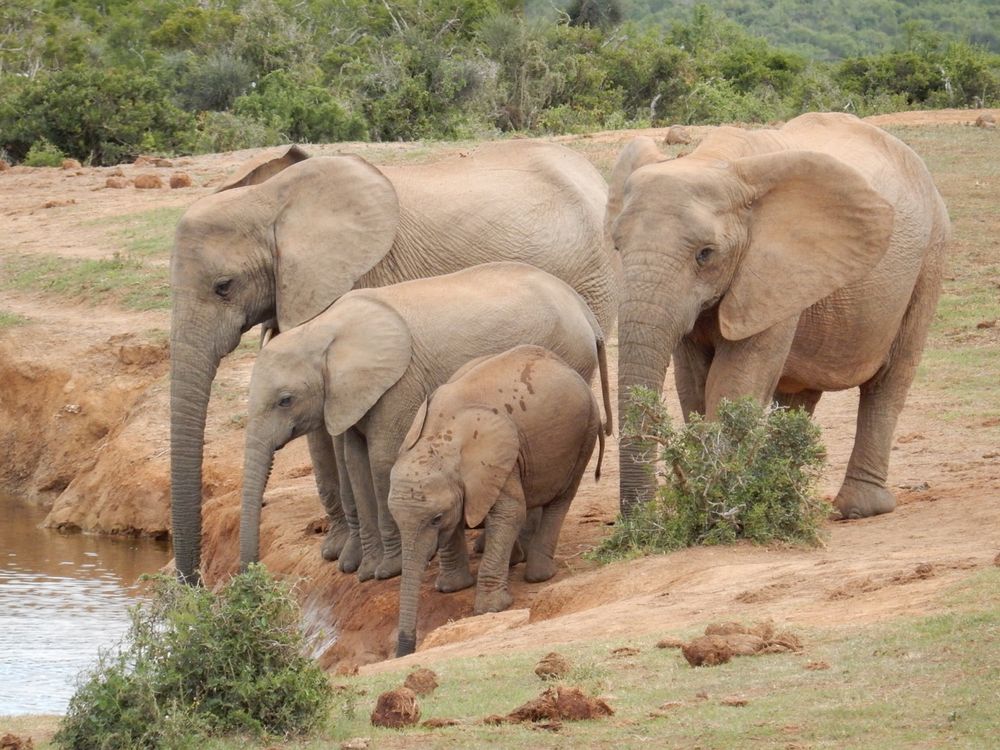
pixel 43 154
pixel 194 663
pixel 749 474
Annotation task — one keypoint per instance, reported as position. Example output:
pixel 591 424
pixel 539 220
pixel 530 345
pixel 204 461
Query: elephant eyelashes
pixel 285 401
pixel 703 255
pixel 222 287
pixel 436 521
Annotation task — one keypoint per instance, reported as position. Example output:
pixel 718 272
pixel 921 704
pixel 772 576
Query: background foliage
pixel 105 81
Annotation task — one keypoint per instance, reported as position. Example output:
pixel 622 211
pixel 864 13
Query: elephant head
pixel 326 373
pixel 445 480
pixel 750 236
pixel 283 239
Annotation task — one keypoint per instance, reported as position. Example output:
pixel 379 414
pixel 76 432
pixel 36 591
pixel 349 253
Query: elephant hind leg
pixel 864 492
pixel 806 400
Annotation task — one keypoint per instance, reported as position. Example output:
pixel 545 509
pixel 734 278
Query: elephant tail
pixel 602 364
pixel 600 453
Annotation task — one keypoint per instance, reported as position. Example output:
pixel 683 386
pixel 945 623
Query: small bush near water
pixel 749 474
pixel 195 663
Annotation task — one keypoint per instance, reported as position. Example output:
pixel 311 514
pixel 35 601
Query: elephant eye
pixel 436 521
pixel 703 255
pixel 285 401
pixel 222 286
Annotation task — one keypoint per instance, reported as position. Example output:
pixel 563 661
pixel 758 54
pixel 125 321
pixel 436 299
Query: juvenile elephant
pixel 363 367
pixel 287 236
pixel 780 264
pixel 506 435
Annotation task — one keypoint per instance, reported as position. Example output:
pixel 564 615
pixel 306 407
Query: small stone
pixel 421 681
pixel 552 666
pixel 116 183
pixel 180 180
pixel 148 182
pixel 396 709
pixel 70 164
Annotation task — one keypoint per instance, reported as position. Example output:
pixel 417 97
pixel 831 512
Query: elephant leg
pixel 359 473
pixel 691 365
pixel 350 555
pixel 503 523
pixel 806 399
pixel 324 463
pixel 519 554
pixel 749 367
pixel 392 548
pixel 864 492
pixel 454 573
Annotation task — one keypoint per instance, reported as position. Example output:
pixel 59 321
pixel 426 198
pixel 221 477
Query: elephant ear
pixel 335 217
pixel 263 167
pixel 369 350
pixel 638 153
pixel 489 458
pixel 815 222
pixel 416 428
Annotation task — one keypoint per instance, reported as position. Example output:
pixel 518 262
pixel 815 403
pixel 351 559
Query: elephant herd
pixel 434 329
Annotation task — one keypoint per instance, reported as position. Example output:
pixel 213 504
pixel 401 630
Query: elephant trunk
pixel 192 370
pixel 415 555
pixel 257 462
pixel 645 344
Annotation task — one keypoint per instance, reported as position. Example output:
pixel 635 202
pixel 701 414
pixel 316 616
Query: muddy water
pixel 62 597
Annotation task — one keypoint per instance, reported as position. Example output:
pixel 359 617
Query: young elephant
pixel 362 368
pixel 506 435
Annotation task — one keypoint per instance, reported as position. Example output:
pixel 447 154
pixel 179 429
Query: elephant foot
pixel 350 555
pixel 539 569
pixel 454 580
pixel 366 571
pixel 493 601
pixel 336 538
pixel 390 567
pixel 863 500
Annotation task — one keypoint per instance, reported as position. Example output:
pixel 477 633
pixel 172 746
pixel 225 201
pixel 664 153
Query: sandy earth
pixel 83 404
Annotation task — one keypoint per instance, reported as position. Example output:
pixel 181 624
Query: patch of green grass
pixel 148 233
pixel 119 280
pixel 8 319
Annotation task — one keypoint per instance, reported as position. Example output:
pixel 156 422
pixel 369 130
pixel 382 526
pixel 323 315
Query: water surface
pixel 62 597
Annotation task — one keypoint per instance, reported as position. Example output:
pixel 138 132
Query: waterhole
pixel 62 598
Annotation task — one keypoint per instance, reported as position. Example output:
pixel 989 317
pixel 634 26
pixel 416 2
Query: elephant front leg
pixel 454 573
pixel 392 548
pixel 691 364
pixel 503 523
pixel 350 555
pixel 359 473
pixel 324 463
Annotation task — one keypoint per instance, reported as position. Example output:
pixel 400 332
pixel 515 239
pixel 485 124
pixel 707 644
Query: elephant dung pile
pixel 723 641
pixel 560 703
pixel 421 681
pixel 552 666
pixel 396 709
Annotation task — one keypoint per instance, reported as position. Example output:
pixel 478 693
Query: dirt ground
pixel 83 408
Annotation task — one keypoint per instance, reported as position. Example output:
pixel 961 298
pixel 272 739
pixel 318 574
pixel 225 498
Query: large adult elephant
pixel 288 236
pixel 780 264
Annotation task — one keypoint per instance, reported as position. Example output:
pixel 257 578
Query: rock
pixel 116 183
pixel 421 681
pixel 986 120
pixel 71 164
pixel 676 135
pixel 552 666
pixel 396 709
pixel 707 651
pixel 561 704
pixel 180 180
pixel 670 642
pixel 148 182
pixel 13 742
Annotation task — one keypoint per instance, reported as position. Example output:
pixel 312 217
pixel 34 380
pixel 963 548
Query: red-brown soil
pixel 83 409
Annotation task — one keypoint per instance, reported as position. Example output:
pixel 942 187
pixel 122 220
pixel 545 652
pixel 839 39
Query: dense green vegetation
pixel 104 81
pixel 751 473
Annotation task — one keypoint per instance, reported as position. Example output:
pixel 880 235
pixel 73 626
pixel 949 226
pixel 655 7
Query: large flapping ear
pixel 638 153
pixel 416 428
pixel 369 351
pixel 263 167
pixel 816 225
pixel 489 457
pixel 335 218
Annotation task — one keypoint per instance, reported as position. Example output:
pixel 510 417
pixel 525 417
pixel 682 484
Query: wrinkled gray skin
pixel 506 435
pixel 363 367
pixel 779 264
pixel 288 235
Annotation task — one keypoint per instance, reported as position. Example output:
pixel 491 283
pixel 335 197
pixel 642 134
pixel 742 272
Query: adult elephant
pixel 288 236
pixel 780 264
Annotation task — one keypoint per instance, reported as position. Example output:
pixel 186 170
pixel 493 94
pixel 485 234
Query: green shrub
pixel 195 663
pixel 43 154
pixel 749 474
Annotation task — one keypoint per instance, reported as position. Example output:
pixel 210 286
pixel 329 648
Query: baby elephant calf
pixel 506 434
